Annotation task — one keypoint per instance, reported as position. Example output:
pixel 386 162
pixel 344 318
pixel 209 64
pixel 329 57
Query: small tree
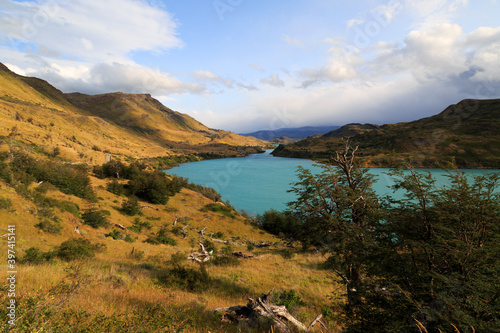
pixel 131 206
pixel 339 210
pixel 95 218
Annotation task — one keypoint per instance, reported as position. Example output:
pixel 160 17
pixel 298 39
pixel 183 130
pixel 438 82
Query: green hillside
pixel 467 132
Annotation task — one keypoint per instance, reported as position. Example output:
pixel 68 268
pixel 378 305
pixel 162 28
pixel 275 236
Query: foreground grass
pixel 135 287
pixel 105 295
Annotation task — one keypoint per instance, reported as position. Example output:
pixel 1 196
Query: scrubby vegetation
pixel 426 261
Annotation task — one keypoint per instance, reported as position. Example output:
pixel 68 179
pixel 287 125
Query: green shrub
pixel 115 234
pixel 161 238
pixel 154 187
pixel 287 298
pixel 115 187
pixel 131 206
pixel 226 260
pixel 69 179
pixel 33 255
pixel 49 227
pixel 5 203
pixel 287 254
pixel 130 239
pixel 70 207
pixel 177 274
pixel 95 218
pixel 219 208
pixel 138 225
pixel 78 248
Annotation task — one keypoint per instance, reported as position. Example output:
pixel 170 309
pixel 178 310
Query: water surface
pixel 260 182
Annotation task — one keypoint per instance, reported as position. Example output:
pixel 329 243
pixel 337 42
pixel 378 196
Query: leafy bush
pixel 177 274
pixel 5 203
pixel 154 187
pixel 208 192
pixel 95 218
pixel 78 248
pixel 129 239
pixel 287 254
pixel 69 179
pixel 284 224
pixel 218 208
pixel 115 234
pixel 287 298
pixel 131 206
pixel 115 187
pixel 49 227
pixel 226 260
pixel 161 238
pixel 33 255
pixel 138 226
pixel 70 207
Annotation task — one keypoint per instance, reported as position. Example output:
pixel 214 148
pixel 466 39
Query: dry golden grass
pixel 114 290
pixel 115 286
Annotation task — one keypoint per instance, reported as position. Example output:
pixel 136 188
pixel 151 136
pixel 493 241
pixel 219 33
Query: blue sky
pixel 244 65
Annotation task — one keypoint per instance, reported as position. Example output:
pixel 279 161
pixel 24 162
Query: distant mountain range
pixel 291 133
pixel 85 127
pixel 467 133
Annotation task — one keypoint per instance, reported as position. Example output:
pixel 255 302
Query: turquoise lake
pixel 260 182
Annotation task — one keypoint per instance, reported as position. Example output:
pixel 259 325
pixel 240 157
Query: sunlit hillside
pixel 85 128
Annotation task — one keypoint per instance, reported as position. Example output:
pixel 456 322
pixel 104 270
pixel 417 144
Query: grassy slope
pixel 115 285
pixel 125 125
pixel 114 290
pixel 468 132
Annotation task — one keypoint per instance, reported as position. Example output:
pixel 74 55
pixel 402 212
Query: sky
pixel 245 65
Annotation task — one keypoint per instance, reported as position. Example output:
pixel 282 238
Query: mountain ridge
pixel 466 133
pixel 84 126
pixel 294 133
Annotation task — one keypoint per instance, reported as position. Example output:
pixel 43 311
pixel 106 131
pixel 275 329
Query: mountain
pixel 85 127
pixel 467 132
pixel 350 130
pixel 291 133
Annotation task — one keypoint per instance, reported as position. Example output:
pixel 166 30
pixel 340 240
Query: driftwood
pixel 176 218
pixel 261 307
pixel 202 232
pixel 146 206
pixel 184 231
pixel 120 226
pixel 227 242
pixel 242 255
pixel 204 256
pixel 261 244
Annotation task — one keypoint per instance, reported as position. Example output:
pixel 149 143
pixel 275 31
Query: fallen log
pixel 261 307
pixel 261 244
pixel 242 255
pixel 202 257
pixel 227 242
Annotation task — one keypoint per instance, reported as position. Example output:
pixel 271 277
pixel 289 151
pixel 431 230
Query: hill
pixel 467 132
pixel 84 128
pixel 291 133
pixel 103 247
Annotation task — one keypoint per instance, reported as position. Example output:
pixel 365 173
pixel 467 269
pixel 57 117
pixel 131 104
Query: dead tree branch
pixel 261 307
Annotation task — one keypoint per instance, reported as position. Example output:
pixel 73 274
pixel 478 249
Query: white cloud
pixel 432 12
pixel 342 63
pixel 273 80
pixel 207 76
pixel 291 41
pixel 106 30
pixel 354 22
